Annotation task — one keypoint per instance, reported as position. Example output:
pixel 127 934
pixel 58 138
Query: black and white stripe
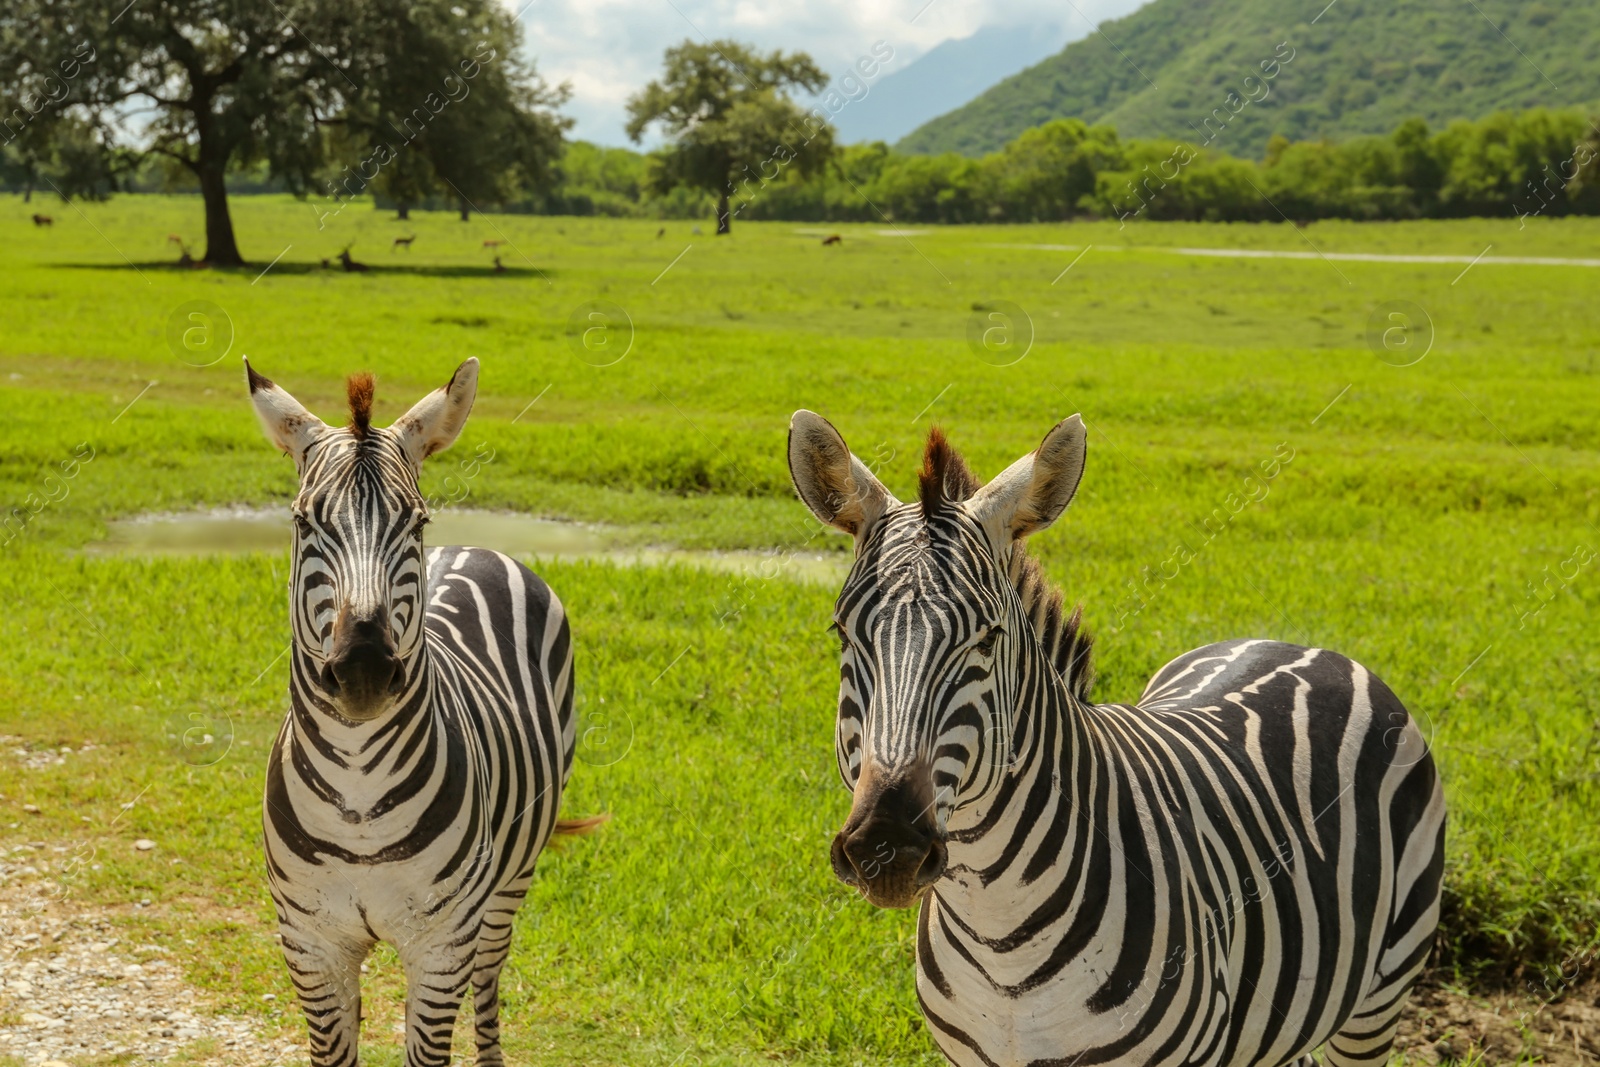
pixel 419 772
pixel 1243 867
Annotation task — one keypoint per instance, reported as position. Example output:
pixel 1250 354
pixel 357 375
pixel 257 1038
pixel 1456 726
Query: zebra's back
pixel 1334 780
pixel 502 647
pixel 1274 826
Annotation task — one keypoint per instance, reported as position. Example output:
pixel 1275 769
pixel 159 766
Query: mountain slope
pixel 1361 66
pixel 945 77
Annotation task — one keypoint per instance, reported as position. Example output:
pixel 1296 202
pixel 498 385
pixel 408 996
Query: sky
pixel 609 49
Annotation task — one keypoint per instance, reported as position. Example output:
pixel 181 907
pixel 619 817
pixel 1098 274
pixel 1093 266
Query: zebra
pixel 419 770
pixel 1240 868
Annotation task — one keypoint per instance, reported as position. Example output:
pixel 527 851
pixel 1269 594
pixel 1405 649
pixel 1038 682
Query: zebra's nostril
pixel 330 681
pixel 933 864
pixel 844 868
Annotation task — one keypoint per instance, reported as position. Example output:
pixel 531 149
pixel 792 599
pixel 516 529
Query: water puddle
pixel 239 530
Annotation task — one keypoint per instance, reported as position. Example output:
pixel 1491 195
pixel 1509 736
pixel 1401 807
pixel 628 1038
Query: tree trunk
pixel 221 251
pixel 211 168
pixel 724 220
pixel 403 212
pixel 466 211
pixel 27 192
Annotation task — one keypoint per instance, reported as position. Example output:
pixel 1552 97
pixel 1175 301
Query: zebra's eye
pixel 302 524
pixel 416 529
pixel 984 646
pixel 838 631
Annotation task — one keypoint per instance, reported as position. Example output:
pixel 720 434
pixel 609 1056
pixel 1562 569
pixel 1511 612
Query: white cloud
pixel 609 49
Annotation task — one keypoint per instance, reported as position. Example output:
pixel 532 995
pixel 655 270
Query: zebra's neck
pixel 1016 856
pixel 350 767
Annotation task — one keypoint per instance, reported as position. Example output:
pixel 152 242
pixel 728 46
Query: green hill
pixel 1362 67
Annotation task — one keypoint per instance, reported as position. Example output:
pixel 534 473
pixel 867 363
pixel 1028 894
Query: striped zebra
pixel 429 735
pixel 1239 869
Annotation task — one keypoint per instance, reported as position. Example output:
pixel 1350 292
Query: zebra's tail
pixel 574 828
pixel 580 827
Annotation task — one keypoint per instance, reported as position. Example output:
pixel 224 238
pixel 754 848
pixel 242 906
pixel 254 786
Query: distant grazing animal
pixel 499 268
pixel 661 233
pixel 184 258
pixel 429 737
pixel 43 220
pixel 403 242
pixel 833 239
pixel 350 264
pixel 175 239
pixel 1238 869
pixel 492 243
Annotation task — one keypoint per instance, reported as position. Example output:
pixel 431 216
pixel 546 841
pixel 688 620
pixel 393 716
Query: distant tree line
pixel 426 104
pixel 1531 163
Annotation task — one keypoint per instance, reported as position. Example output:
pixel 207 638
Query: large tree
pixel 218 84
pixel 486 136
pixel 733 125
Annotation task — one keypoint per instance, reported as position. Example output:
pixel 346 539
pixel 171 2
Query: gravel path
pixel 1344 257
pixel 72 993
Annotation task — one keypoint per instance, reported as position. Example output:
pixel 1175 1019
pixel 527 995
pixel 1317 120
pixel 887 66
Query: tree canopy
pixel 734 127
pixel 420 95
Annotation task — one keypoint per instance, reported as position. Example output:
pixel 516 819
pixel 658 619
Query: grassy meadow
pixel 1437 519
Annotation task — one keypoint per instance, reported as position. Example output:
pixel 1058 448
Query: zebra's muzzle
pixel 363 673
pixel 890 849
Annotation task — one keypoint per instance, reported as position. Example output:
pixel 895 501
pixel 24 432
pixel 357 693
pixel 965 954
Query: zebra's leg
pixel 494 945
pixel 327 976
pixel 436 984
pixel 486 1007
pixel 1367 1037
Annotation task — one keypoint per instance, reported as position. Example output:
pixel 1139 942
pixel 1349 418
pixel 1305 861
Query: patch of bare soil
pixel 72 992
pixel 1447 1026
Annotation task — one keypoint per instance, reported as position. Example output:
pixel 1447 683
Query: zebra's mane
pixel 946 478
pixel 360 388
pixel 1069 647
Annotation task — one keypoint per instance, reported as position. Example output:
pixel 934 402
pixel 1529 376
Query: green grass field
pixel 1437 521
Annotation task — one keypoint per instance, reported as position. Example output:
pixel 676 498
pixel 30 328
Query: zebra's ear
pixel 436 420
pixel 834 484
pixel 1032 493
pixel 288 425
